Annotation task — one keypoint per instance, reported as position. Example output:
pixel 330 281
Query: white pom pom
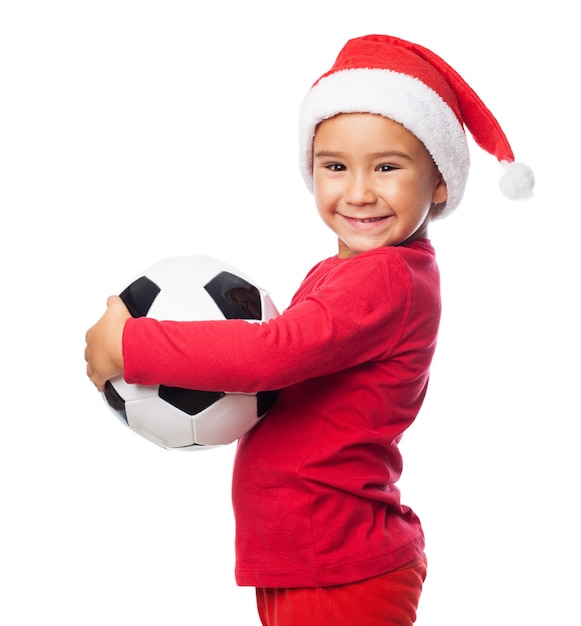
pixel 517 181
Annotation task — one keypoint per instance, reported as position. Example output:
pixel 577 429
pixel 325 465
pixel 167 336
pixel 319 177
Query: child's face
pixel 375 182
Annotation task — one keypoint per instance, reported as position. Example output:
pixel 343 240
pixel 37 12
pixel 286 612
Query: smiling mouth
pixel 367 220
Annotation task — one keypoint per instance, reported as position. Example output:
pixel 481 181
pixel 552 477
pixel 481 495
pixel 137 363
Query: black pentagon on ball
pixel 116 402
pixel 235 297
pixel 189 401
pixel 265 400
pixel 192 401
pixel 139 296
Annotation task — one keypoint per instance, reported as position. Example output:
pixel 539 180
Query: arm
pixel 356 316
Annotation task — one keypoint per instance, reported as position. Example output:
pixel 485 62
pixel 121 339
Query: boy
pixel 321 532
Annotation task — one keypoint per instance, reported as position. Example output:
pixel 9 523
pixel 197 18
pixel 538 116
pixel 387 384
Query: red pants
pixel 388 600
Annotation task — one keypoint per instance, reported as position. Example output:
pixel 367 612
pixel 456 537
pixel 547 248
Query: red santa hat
pixel 413 86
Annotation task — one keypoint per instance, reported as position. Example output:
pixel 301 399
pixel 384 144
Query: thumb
pixel 116 304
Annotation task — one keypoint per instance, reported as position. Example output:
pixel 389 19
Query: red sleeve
pixel 353 315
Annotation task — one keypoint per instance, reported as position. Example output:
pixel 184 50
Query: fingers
pixel 95 378
pixel 92 374
pixel 103 344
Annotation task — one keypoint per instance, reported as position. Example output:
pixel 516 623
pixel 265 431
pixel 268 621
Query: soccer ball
pixel 190 288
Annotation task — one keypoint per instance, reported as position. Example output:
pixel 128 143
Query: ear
pixel 440 193
pixel 439 198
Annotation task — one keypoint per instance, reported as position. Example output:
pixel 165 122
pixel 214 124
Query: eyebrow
pixel 376 155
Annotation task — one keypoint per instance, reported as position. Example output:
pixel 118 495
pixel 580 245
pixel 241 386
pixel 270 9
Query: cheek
pixel 320 203
pixel 420 195
pixel 323 194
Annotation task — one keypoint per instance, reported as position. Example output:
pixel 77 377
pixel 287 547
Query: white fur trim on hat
pixel 396 96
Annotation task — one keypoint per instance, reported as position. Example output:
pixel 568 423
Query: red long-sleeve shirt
pixel 314 485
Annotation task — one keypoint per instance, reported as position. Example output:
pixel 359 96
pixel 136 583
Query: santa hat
pixel 411 85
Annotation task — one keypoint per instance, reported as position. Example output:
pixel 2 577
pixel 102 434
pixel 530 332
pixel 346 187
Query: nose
pixel 360 190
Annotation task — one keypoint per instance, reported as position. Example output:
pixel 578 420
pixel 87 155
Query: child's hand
pixel 104 353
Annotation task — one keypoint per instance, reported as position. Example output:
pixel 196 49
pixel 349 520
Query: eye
pixel 336 167
pixel 384 167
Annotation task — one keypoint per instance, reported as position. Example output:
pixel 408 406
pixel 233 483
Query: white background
pixel 131 130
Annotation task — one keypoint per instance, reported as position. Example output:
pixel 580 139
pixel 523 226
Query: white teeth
pixel 366 220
